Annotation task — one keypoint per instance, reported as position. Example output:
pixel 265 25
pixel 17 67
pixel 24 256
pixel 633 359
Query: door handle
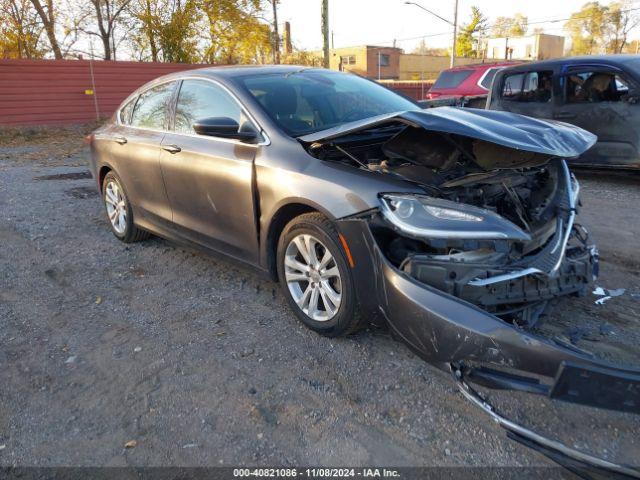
pixel 120 140
pixel 171 148
pixel 564 115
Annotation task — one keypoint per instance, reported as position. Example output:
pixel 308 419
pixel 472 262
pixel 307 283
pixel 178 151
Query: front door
pixel 596 98
pixel 209 180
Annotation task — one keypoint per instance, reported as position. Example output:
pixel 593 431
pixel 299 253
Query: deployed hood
pixel 546 137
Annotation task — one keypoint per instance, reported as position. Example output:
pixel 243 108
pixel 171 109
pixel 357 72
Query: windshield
pixel 308 101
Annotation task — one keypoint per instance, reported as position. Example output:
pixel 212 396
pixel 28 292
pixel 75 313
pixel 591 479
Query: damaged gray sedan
pixel 454 227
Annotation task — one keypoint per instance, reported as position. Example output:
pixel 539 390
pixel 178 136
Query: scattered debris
pixel 190 445
pixel 2 447
pixel 98 300
pixel 131 444
pixel 137 349
pixel 607 294
pixel 71 359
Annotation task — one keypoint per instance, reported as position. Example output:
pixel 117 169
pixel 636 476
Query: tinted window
pixel 528 87
pixel 201 99
pixel 312 100
pixel 512 86
pixel 488 78
pixel 595 87
pixel 125 112
pixel 451 78
pixel 152 106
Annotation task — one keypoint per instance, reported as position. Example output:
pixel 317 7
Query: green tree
pixel 587 29
pixel 621 19
pixel 235 32
pixel 466 38
pixel 515 26
pixel 20 30
pixel 167 28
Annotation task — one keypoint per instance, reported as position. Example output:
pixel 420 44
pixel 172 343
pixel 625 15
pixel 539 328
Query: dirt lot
pixel 199 362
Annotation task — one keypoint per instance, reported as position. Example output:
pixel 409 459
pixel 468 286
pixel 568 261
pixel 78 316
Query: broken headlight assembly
pixel 422 216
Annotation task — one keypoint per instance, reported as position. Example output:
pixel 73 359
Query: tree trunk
pixel 150 35
pixel 49 25
pixel 276 36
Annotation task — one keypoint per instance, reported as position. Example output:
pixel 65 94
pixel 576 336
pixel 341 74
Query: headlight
pixel 423 216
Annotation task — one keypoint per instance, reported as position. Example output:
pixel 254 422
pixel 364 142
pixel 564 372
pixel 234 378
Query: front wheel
pixel 315 277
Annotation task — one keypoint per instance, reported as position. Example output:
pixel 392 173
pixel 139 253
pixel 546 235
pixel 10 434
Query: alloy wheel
pixel 313 277
pixel 116 207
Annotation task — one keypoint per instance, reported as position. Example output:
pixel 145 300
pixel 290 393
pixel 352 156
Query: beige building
pixel 531 47
pixel 367 60
pixel 427 67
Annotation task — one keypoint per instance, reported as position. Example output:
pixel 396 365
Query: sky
pixel 379 22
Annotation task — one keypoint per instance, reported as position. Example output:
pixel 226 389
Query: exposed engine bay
pixel 495 226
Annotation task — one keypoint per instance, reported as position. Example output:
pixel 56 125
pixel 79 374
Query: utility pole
pixel 454 24
pixel 325 33
pixel 276 35
pixel 455 35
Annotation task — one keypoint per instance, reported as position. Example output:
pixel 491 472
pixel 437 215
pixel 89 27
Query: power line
pixel 487 27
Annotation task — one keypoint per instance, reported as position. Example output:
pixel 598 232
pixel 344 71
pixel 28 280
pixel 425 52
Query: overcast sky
pixel 358 22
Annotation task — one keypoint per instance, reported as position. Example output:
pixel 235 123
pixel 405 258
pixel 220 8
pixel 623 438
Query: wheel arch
pixel 283 215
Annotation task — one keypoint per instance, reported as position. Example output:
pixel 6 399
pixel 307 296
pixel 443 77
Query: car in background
pixel 466 81
pixel 597 93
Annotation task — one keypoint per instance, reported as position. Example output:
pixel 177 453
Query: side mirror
pixel 223 127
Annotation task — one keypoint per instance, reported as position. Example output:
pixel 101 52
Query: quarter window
pixel 201 99
pixel 488 78
pixel 125 112
pixel 595 87
pixel 152 107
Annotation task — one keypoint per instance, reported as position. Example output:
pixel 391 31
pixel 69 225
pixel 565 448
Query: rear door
pixel 595 97
pixel 529 93
pixel 135 152
pixel 209 180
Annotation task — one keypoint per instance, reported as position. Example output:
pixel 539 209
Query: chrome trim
pixel 481 282
pixel 266 140
pixel 572 217
pixel 470 394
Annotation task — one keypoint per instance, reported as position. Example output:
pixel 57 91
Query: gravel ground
pixel 196 361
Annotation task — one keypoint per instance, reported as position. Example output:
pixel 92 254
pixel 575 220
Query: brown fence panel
pixel 45 92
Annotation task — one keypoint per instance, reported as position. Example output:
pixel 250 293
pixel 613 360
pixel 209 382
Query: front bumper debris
pixel 583 464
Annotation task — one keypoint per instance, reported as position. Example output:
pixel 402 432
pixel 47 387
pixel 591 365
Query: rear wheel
pixel 119 211
pixel 315 277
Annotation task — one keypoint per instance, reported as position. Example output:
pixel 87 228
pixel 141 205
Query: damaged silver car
pixel 454 227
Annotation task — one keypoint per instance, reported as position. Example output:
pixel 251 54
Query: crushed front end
pixel 463 267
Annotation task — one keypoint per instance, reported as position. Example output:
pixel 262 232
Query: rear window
pixel 488 78
pixel 452 78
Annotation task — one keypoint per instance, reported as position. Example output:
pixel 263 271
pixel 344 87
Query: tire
pixel 313 231
pixel 116 201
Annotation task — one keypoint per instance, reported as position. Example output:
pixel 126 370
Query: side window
pixel 125 112
pixel 512 86
pixel 529 87
pixel 201 99
pixel 152 106
pixel 595 87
